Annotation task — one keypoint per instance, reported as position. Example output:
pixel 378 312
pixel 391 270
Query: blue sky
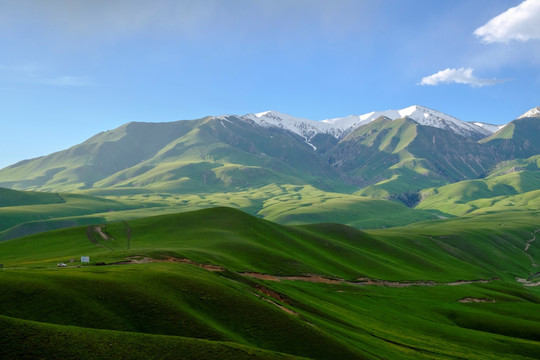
pixel 72 68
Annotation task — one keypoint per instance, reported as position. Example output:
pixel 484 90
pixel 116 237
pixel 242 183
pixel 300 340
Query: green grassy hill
pixel 519 139
pixel 507 192
pixel 10 197
pixel 179 284
pixel 395 159
pixel 33 212
pixel 24 213
pixel 391 159
pixel 204 155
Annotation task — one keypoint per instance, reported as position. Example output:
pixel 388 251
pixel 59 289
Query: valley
pixel 395 293
pixel 396 235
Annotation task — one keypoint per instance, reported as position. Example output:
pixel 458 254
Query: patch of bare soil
pixel 528 245
pixel 170 259
pixel 101 233
pixel 526 282
pixel 283 308
pixel 137 260
pixel 260 276
pixel 314 279
pixel 359 281
pixel 399 284
pixel 275 295
pixel 308 278
pixel 465 282
pixel 475 300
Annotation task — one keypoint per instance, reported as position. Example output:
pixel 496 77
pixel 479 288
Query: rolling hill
pixel 392 154
pixel 25 212
pixel 175 284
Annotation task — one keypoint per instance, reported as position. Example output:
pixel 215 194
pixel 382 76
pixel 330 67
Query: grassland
pixel 162 300
pixel 501 192
pixel 25 213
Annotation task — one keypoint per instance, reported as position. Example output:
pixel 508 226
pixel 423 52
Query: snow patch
pixel 305 128
pixel 534 112
pixel 341 126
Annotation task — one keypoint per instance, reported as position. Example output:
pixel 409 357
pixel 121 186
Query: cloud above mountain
pixel 521 23
pixel 458 76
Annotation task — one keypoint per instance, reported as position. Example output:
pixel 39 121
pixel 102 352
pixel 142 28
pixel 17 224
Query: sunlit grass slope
pixel 291 204
pixel 516 190
pixel 10 197
pixel 23 339
pixel 162 299
pixel 479 247
pixel 285 204
pixel 25 213
pixel 166 309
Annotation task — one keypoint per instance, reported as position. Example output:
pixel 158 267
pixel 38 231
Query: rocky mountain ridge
pixel 383 157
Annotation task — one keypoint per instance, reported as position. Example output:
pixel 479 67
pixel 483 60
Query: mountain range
pixel 404 234
pixel 388 154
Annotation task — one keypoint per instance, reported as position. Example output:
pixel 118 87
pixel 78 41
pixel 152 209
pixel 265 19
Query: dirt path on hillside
pixel 103 235
pixel 169 259
pixel 360 281
pixel 313 278
pixel 528 245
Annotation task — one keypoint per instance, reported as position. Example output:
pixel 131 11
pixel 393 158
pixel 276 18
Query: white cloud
pixel 520 23
pixel 459 76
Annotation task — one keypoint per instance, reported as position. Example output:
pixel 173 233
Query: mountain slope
pixel 483 195
pixel 399 156
pixel 419 114
pixel 385 157
pixel 25 213
pixel 518 139
pixel 100 156
pixel 208 155
pixel 317 291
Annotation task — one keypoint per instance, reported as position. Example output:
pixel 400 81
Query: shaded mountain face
pixel 394 157
pixel 382 156
pixel 518 139
pixel 210 154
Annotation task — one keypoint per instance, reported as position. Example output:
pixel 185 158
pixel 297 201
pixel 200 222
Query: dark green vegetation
pixel 23 213
pixel 179 290
pixel 441 260
pixel 383 174
pixel 385 158
pixel 206 155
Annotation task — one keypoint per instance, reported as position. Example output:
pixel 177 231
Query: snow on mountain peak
pixel 419 114
pixel 339 127
pixel 303 127
pixel 534 112
pixel 429 117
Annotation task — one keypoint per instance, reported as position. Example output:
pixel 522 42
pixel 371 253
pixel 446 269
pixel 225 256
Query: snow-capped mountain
pixel 240 152
pixel 534 112
pixel 339 127
pixel 490 127
pixel 303 127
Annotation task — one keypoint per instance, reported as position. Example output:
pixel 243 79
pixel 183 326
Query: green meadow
pixel 220 283
pixel 286 204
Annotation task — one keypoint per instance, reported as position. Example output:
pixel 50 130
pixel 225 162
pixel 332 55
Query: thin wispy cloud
pixel 32 73
pixel 458 76
pixel 74 81
pixel 22 68
pixel 521 23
